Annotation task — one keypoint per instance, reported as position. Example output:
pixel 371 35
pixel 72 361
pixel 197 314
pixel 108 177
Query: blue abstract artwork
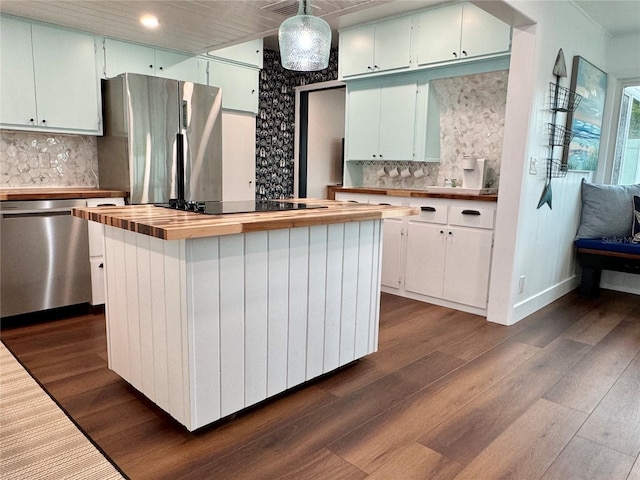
pixel 586 121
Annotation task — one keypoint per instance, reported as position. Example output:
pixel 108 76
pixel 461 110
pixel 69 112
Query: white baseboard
pixel 543 298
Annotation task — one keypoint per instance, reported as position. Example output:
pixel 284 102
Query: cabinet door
pixel 391 253
pixel 363 124
pixel 424 270
pixel 17 88
pixel 248 52
pixel 176 66
pixel 438 35
pixel 239 85
pixel 397 122
pixel 66 79
pixel 392 45
pixel 356 51
pixel 121 57
pixel 467 264
pixel 482 33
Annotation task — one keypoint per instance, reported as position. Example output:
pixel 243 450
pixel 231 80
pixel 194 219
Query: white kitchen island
pixel 207 315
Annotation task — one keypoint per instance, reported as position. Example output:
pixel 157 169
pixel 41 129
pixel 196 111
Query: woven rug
pixel 37 439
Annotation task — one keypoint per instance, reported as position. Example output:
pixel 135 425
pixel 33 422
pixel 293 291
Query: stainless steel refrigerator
pixel 162 139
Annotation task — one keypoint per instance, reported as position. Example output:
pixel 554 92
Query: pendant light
pixel 305 41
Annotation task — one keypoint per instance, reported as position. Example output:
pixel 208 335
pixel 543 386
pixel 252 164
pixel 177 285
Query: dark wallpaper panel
pixel 275 123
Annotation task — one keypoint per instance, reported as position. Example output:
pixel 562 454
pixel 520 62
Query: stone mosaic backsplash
pixel 472 110
pixel 34 159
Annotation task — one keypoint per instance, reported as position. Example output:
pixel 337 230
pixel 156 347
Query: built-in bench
pixel 595 255
pixel 608 236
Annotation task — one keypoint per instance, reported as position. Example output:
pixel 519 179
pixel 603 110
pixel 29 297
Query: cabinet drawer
pixel 96 230
pixel 431 213
pixel 471 217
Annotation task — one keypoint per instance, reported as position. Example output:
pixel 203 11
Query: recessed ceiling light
pixel 149 21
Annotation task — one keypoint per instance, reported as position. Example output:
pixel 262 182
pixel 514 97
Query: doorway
pixel 320 110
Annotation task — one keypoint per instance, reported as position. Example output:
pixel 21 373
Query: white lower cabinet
pixel 392 253
pixel 96 250
pixel 441 256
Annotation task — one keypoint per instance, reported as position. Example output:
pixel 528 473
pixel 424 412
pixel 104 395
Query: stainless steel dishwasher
pixel 44 256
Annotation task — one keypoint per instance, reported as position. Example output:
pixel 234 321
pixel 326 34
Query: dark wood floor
pixel 556 396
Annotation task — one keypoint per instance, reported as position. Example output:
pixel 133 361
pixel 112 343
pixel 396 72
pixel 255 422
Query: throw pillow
pixel 635 231
pixel 606 211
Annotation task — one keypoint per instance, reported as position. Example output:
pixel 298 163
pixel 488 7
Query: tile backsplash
pixel 472 109
pixel 33 159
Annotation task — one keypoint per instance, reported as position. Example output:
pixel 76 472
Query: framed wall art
pixel 586 121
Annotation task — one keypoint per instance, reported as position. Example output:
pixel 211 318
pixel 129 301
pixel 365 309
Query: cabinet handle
pixel 380 155
pixel 31 120
pixel 385 204
pixel 376 67
pixel 106 205
pixel 455 55
pixel 428 209
pixel 464 52
pixel 369 67
pixel 150 66
pixel 441 231
pixel 44 121
pixel 374 156
pixel 470 212
pixel 101 265
pixel 161 68
pixel 450 232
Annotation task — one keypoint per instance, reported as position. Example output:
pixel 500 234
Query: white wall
pixel 531 242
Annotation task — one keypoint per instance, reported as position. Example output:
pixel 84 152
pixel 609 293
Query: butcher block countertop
pixel 57 193
pixel 396 192
pixel 169 224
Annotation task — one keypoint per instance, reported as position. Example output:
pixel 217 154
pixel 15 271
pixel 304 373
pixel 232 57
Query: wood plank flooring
pixel 448 396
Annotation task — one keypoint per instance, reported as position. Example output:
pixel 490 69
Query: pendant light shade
pixel 305 41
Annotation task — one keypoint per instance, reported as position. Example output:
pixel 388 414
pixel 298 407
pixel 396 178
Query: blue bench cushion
pixel 610 244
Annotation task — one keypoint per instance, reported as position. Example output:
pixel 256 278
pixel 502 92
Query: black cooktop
pixel 248 206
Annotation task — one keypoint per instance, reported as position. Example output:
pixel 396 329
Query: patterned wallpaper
pixel 275 134
pixel 32 159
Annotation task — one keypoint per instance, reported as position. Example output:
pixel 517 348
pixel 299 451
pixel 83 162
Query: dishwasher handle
pixel 39 213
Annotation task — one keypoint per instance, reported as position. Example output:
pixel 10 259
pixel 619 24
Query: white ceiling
pixel 198 26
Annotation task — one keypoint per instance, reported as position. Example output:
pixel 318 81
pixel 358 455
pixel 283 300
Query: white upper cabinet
pixel 121 57
pixel 375 48
pixel 48 79
pixel 176 66
pixel 381 122
pixel 17 88
pixel 239 85
pixel 249 53
pixel 459 32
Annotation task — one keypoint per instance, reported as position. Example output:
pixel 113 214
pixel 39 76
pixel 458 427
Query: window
pixel 626 161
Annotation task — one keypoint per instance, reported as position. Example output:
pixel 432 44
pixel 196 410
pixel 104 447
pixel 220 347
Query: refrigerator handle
pixel 180 165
